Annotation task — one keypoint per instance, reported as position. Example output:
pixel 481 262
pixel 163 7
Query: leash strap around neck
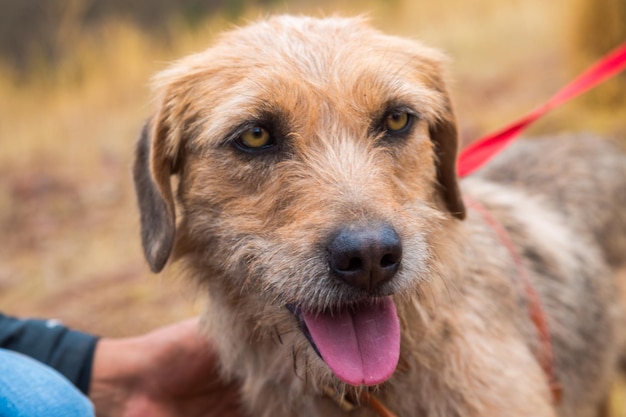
pixel 366 399
pixel 376 405
pixel 482 150
pixel 535 307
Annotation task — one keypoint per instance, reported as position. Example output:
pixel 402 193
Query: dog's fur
pixel 253 227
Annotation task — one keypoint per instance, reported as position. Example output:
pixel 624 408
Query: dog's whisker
pixel 306 371
pixel 280 339
pixel 294 357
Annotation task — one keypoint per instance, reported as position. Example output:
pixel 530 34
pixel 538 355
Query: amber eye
pixel 255 138
pixel 397 121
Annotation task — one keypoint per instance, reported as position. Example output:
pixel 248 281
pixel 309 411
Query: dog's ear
pixel 152 171
pixel 443 133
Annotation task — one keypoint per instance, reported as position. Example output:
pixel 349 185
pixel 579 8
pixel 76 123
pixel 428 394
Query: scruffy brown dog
pixel 319 206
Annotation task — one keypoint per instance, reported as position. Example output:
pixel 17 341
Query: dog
pixel 303 171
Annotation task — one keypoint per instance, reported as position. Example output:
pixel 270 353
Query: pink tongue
pixel 362 345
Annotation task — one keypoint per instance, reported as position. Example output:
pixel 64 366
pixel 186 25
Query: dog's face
pixel 316 164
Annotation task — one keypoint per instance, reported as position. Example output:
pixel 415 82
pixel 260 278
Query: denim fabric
pixel 68 351
pixel 31 389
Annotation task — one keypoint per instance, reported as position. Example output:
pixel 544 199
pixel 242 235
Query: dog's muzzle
pixel 359 341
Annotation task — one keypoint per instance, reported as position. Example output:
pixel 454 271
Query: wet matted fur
pixel 291 132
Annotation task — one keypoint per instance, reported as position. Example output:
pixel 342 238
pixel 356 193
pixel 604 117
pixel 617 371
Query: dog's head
pixel 316 164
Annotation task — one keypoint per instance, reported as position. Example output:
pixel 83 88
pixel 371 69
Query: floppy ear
pixel 444 135
pixel 152 170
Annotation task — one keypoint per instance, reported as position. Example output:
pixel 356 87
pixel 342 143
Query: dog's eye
pixel 255 138
pixel 397 122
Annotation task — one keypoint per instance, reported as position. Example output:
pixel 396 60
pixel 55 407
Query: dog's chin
pixel 358 342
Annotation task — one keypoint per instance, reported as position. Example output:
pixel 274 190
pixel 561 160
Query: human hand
pixel 170 372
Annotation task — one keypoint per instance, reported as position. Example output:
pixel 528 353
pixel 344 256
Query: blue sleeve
pixel 68 351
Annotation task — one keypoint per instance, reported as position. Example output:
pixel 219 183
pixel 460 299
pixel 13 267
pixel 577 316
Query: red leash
pixel 479 152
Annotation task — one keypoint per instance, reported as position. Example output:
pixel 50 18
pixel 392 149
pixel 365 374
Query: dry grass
pixel 68 222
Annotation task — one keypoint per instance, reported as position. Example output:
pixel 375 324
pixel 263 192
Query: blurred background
pixel 74 93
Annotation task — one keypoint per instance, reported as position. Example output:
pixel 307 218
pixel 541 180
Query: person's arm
pixel 169 372
pixel 68 351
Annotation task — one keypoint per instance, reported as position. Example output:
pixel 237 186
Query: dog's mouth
pixel 359 343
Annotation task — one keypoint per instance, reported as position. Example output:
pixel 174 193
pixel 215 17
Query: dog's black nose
pixel 365 256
